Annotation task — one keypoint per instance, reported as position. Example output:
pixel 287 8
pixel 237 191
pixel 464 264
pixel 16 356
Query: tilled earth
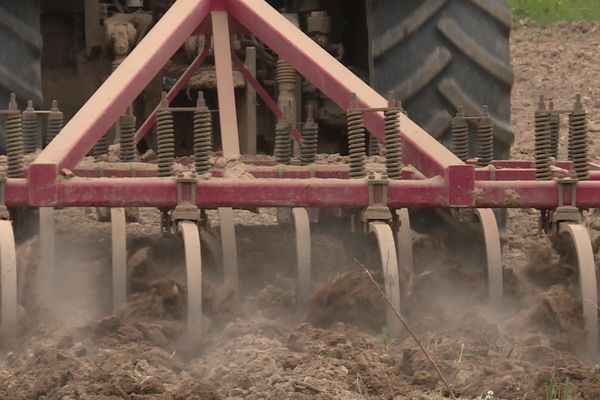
pixel 261 345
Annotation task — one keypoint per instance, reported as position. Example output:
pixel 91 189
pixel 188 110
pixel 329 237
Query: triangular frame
pixel 184 18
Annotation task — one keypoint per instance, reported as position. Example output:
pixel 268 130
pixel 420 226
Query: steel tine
pixel 405 243
pixel 303 253
pixel 8 283
pixel 212 242
pixel 493 250
pixel 389 264
pixel 47 272
pixel 119 256
pixel 587 283
pixel 229 247
pixel 193 269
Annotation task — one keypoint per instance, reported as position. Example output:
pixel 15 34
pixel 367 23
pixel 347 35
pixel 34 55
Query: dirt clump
pixel 557 313
pixel 107 359
pixel 302 363
pixel 350 298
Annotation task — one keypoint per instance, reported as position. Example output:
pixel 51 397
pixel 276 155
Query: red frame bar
pixel 324 193
pixel 162 192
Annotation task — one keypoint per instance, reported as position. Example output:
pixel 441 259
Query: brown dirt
pixel 258 346
pixel 348 298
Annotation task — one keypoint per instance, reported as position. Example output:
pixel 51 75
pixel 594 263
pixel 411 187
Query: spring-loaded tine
pixel 47 271
pixel 578 140
pixel 283 138
pixel 8 283
pixel 405 243
pixel 392 142
pixel 310 139
pixel 229 247
pixel 127 133
pixel 165 134
pixel 373 145
pixel 30 128
pixel 202 136
pixel 303 253
pixel 460 136
pixel 587 283
pixel 493 251
pixel 14 139
pixel 485 139
pixel 542 141
pixel 554 131
pixel 54 123
pixel 119 256
pixel 389 265
pixel 193 269
pixel 356 140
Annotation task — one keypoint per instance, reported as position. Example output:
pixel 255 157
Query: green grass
pixel 548 11
pixel 384 337
pixel 555 391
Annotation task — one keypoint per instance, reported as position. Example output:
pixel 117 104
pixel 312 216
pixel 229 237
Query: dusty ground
pixel 260 346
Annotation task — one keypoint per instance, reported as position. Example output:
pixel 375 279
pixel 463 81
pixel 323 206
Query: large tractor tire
pixel 20 58
pixel 20 73
pixel 438 55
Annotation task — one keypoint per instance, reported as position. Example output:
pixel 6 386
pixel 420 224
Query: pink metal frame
pixel 437 178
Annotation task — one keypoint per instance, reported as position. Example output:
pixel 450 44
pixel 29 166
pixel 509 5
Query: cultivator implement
pixel 418 173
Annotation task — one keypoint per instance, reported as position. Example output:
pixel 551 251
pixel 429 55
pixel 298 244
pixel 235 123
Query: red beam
pixel 324 193
pixel 162 192
pixel 534 194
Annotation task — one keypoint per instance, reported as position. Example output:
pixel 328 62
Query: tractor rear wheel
pixel 20 59
pixel 438 55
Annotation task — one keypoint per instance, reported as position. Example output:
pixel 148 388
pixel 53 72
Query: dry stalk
pixel 358 386
pixel 412 334
pixel 306 385
pixel 390 385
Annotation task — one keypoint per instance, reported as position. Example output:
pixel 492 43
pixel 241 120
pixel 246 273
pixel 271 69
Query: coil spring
pixel 202 136
pixel 54 123
pixel 460 136
pixel 373 145
pixel 29 129
pixel 127 129
pixel 102 146
pixel 393 143
pixel 310 139
pixel 14 140
pixel 485 140
pixel 542 142
pixel 283 142
pixel 356 143
pixel 165 132
pixel 554 131
pixel 284 73
pixel 578 138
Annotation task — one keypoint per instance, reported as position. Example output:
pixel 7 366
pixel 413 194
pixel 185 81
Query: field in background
pixel 548 11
